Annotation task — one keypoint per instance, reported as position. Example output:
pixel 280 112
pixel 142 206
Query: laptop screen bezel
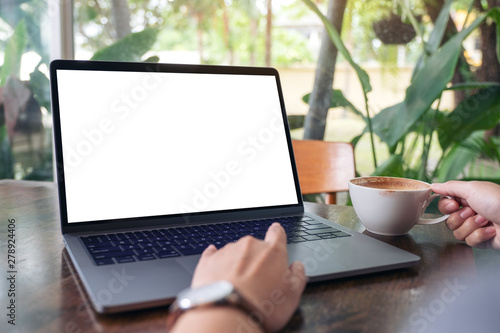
pixel 162 220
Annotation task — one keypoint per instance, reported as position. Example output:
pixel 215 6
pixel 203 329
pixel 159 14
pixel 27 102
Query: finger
pixel 275 234
pixel 452 188
pixel 299 271
pixel 480 220
pixel 211 249
pixel 448 206
pixel 455 220
pixel 480 237
pixel 466 229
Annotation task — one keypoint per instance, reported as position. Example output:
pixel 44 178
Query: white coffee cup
pixel 391 206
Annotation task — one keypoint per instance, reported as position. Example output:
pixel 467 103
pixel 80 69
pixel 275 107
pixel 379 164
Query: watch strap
pixel 234 299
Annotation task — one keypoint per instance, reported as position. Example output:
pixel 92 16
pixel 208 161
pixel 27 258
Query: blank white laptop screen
pixel 147 144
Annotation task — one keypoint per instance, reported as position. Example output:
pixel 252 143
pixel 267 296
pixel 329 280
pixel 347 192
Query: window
pixel 25 126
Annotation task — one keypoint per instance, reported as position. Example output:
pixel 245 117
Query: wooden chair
pixel 324 167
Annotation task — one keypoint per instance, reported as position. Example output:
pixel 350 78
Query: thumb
pixel 299 272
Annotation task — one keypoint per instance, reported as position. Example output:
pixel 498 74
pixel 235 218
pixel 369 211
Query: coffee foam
pixel 396 184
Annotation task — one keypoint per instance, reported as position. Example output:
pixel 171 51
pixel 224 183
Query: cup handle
pixel 437 219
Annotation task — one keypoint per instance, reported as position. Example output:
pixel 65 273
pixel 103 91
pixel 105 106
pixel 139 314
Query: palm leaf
pixel 130 48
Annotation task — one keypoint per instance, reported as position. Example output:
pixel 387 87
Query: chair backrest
pixel 324 167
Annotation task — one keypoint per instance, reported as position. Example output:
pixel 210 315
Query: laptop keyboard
pixel 123 247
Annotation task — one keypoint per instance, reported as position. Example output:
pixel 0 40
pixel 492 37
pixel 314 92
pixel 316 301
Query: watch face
pixel 207 294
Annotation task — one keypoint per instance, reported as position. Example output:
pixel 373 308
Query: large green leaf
pixel 393 123
pixel 436 35
pixel 487 147
pixel 129 48
pixel 338 100
pixel 393 167
pixel 40 86
pixel 458 157
pixel 13 52
pixel 478 112
pixel 364 79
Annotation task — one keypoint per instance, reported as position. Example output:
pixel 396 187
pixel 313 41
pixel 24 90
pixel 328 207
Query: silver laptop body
pixel 143 147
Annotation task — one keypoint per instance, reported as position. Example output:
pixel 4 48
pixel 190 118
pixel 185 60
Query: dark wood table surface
pixel 50 298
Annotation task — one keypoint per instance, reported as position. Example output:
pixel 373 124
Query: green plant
pixel 11 99
pixel 410 128
pixel 15 94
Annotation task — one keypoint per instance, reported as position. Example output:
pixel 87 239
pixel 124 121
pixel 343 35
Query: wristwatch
pixel 213 294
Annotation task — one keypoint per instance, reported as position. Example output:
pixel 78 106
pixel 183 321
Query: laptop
pixel 157 161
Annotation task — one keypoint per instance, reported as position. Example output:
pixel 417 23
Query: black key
pixel 144 251
pixel 164 231
pixel 341 234
pixel 163 249
pixel 183 247
pixel 318 226
pixel 204 245
pixel 219 244
pixel 219 237
pixel 112 237
pixel 183 241
pixel 123 260
pixel 188 252
pixel 312 237
pixel 167 254
pixel 166 243
pixel 320 231
pixel 202 239
pixel 313 222
pixel 96 250
pixel 297 240
pixel 146 257
pixel 156 233
pixel 112 254
pixel 177 236
pixel 123 242
pixel 299 233
pixel 174 231
pixel 90 239
pixel 130 247
pixel 326 236
pixel 130 235
pixel 96 245
pixel 102 262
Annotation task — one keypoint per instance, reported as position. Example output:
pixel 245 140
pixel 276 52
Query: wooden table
pixel 50 298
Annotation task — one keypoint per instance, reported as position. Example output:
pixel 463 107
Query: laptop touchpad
pixel 315 259
pixel 189 263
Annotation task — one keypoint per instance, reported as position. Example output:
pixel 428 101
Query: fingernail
pixel 490 230
pixel 466 213
pixel 450 206
pixel 480 220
